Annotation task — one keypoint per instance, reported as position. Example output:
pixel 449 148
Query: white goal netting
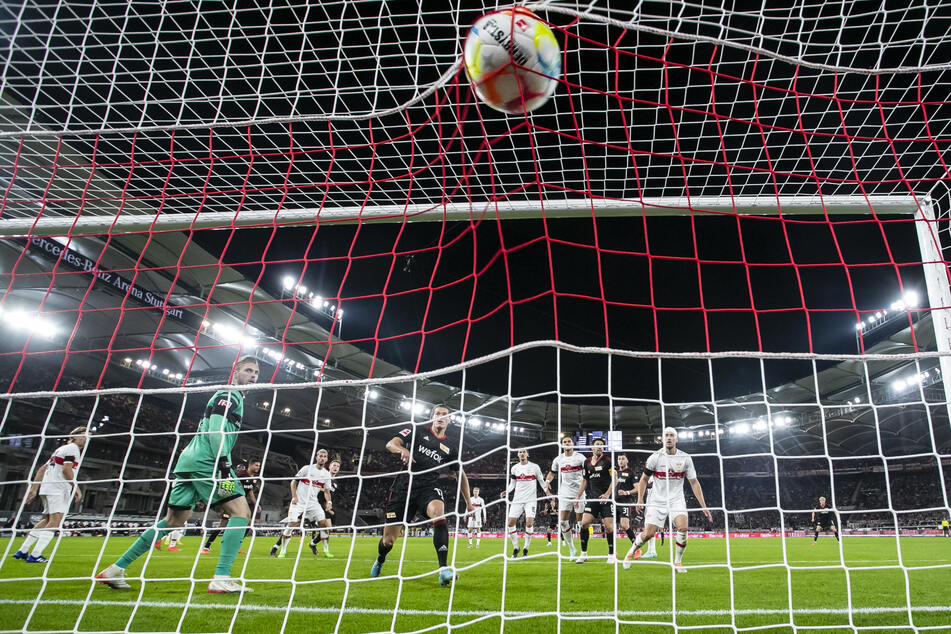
pixel 729 221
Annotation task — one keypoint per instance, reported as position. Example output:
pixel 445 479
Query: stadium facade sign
pixel 55 251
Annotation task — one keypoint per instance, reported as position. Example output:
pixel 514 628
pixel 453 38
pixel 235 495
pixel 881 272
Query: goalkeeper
pixel 203 474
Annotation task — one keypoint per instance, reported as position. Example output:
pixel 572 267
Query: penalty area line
pixel 410 612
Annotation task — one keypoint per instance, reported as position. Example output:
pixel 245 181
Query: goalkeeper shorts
pixel 189 489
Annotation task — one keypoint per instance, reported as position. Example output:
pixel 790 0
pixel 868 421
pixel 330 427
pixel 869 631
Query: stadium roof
pixel 850 427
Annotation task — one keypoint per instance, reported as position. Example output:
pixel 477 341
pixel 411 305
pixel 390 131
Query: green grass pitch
pixel 528 591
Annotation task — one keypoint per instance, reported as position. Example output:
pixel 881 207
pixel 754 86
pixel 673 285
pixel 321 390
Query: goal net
pixel 730 223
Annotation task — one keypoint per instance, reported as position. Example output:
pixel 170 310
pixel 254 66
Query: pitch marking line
pixel 408 612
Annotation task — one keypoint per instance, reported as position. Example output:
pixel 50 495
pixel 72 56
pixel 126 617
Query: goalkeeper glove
pixel 226 484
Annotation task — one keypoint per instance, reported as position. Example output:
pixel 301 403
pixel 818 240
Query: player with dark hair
pixel 543 519
pixel 423 448
pixel 823 516
pixel 598 480
pixel 306 505
pixel 203 473
pixel 569 466
pixel 322 534
pixel 625 487
pixel 669 467
pixel 524 475
pixel 55 481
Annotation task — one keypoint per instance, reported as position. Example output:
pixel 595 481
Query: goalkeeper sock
pixel 529 531
pixel 143 544
pixel 681 543
pixel 231 544
pixel 46 536
pixel 610 538
pixel 513 536
pixel 31 538
pixel 441 541
pixel 584 539
pixel 816 537
pixel 382 551
pixel 836 535
pixel 212 537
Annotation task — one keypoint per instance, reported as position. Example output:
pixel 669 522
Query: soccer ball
pixel 513 60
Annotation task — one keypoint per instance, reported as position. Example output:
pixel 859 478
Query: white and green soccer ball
pixel 513 60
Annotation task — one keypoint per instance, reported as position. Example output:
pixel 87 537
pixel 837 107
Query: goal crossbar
pixel 96 223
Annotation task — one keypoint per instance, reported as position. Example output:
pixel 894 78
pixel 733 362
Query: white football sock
pixel 31 538
pixel 638 541
pixel 42 541
pixel 513 536
pixel 681 545
pixel 528 537
pixel 566 534
pixel 652 546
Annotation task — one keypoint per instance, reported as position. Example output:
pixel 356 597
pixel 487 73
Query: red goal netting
pixel 728 222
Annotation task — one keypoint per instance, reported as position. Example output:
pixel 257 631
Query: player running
pixel 598 478
pixel 823 516
pixel 424 449
pixel 305 504
pixel 323 534
pixel 523 476
pixel 476 519
pixel 652 543
pixel 203 474
pixel 569 466
pixel 55 481
pixel 669 466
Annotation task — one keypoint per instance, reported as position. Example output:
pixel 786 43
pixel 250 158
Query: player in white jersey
pixel 569 466
pixel 476 518
pixel 305 505
pixel 523 476
pixel 670 467
pixel 55 482
pixel 323 534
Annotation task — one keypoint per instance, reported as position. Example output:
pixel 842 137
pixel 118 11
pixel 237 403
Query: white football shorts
pixel 311 512
pixel 657 511
pixel 569 503
pixel 55 502
pixel 517 508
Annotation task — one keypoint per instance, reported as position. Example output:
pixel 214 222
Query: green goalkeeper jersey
pixel 216 435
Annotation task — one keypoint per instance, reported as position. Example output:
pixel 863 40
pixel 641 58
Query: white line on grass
pixel 350 609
